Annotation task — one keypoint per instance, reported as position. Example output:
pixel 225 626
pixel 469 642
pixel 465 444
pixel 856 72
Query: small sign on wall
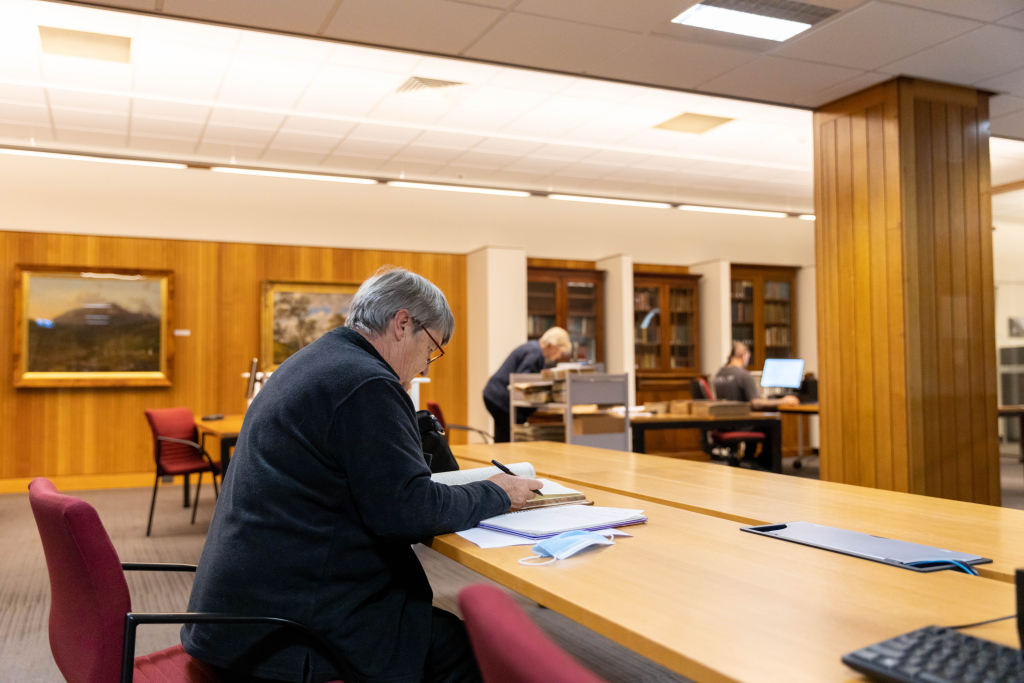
pixel 1016 326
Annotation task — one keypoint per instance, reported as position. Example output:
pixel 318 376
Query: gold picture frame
pixel 295 314
pixel 81 326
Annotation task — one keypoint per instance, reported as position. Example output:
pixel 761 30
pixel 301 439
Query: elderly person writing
pixel 327 490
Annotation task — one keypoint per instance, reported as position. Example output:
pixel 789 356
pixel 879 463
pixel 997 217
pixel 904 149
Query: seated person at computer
pixel 533 356
pixel 734 383
pixel 327 490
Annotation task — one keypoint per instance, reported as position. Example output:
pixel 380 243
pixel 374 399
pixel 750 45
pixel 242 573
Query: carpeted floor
pixel 25 591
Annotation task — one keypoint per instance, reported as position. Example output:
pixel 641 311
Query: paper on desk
pixel 550 488
pixel 488 539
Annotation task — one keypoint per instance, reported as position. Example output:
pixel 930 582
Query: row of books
pixel 776 313
pixel 742 289
pixel 680 334
pixel 742 312
pixel 647 335
pixel 648 361
pixel 778 336
pixel 540 432
pixel 536 325
pixel 680 301
pixel 776 290
pixel 582 326
pixel 645 299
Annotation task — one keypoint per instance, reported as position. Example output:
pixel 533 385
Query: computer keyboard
pixel 938 655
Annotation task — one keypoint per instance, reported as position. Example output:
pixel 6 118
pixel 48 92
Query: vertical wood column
pixel 906 329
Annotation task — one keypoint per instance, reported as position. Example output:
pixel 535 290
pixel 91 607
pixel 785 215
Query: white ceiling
pixel 969 42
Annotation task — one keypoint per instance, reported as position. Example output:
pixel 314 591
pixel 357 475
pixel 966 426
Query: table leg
pixel 775 443
pixel 1020 436
pixel 184 488
pixel 226 442
pixel 638 438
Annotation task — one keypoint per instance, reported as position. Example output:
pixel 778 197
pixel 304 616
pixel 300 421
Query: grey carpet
pixel 25 590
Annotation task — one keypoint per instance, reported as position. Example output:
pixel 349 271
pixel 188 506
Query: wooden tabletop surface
pixel 752 497
pixel 230 425
pixel 799 408
pixel 695 594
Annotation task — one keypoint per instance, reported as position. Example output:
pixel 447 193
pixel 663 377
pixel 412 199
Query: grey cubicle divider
pixel 604 390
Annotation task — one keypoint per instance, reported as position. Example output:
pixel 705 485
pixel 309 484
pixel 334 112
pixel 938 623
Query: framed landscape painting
pixel 296 314
pixel 92 327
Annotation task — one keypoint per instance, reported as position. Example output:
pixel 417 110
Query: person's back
pixel 735 384
pixel 528 357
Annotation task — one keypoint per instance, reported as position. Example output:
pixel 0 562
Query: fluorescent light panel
pixel 86 157
pixel 742 23
pixel 806 216
pixel 738 212
pixel 603 200
pixel 299 176
pixel 459 188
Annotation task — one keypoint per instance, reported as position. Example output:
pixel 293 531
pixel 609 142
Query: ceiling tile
pixel 968 59
pixel 86 73
pixel 839 90
pixel 90 138
pixel 1014 20
pixel 511 178
pixel 164 145
pixel 237 135
pixel 453 140
pixel 982 10
pixel 550 43
pixel 408 169
pixel 189 32
pixel 1011 126
pixel 304 142
pixel 89 101
pixel 225 151
pixel 585 170
pixel 82 18
pixel 89 120
pixel 428 25
pixel 179 69
pixel 525 125
pixel 301 17
pixel 488 160
pixel 537 165
pixel 143 125
pixel 1001 105
pixel 21 134
pixel 353 164
pixel 400 109
pixel 371 148
pixel 428 154
pixel 1012 83
pixel 874 35
pixel 563 152
pixel 779 80
pixel 465 174
pixel 671 62
pixel 240 117
pixel 170 110
pixel 17 112
pixel 23 94
pixel 292 157
pixel 637 15
pixel 284 46
pixel 394 134
pixel 265 80
pixel 309 124
pixel 510 147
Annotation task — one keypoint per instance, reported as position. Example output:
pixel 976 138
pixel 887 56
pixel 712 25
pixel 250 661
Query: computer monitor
pixel 782 372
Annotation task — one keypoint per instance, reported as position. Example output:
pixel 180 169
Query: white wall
pixel 48 195
pixel 496 320
pixel 618 320
pixel 715 314
pixel 807 318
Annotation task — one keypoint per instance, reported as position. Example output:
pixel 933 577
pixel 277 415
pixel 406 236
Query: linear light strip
pixel 738 212
pixel 299 176
pixel 807 217
pixel 742 23
pixel 87 157
pixel 604 200
pixel 403 125
pixel 458 188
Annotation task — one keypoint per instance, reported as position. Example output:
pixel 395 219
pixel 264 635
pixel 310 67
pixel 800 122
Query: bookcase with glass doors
pixel 571 299
pixel 763 306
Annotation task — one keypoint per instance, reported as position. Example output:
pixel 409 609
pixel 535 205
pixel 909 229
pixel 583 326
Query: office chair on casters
pixel 92 626
pixel 713 441
pixel 509 647
pixel 177 451
pixel 435 410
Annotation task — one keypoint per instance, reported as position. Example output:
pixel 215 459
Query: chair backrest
pixel 435 410
pixel 509 647
pixel 88 593
pixel 700 389
pixel 176 423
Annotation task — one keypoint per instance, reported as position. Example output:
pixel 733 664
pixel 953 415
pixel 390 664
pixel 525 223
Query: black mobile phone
pixel 211 418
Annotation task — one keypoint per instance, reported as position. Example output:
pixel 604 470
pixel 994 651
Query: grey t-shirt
pixel 735 384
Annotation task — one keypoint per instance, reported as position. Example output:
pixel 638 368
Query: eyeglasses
pixel 437 347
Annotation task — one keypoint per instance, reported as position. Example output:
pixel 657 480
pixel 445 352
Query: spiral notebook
pixel 547 522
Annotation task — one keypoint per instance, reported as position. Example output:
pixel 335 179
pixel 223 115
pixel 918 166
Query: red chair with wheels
pixel 177 451
pixel 435 410
pixel 92 626
pixel 509 647
pixel 729 441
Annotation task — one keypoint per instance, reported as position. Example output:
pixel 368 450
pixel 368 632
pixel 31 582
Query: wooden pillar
pixel 906 329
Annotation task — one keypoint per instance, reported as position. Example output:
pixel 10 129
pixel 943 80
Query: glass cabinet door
pixel 541 307
pixel 743 314
pixel 647 327
pixel 681 337
pixel 582 320
pixel 778 320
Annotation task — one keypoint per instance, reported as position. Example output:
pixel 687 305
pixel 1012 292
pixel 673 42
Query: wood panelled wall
pixel 66 432
pixel 906 331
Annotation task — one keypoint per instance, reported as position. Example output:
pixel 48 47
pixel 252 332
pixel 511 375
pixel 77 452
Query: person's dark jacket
pixel 326 492
pixel 525 358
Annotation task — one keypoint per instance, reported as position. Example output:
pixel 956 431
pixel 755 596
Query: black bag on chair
pixel 435 447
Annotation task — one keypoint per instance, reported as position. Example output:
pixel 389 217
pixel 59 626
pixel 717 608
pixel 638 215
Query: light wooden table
pixel 752 498
pixel 800 410
pixel 695 594
pixel 225 430
pixel 768 423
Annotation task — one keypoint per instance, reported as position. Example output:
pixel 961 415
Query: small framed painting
pixel 296 314
pixel 1017 327
pixel 92 327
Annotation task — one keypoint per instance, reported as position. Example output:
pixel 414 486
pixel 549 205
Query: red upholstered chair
pixel 92 626
pixel 509 647
pixel 730 441
pixel 177 451
pixel 435 410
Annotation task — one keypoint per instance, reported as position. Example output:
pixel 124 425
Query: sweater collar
pixel 359 340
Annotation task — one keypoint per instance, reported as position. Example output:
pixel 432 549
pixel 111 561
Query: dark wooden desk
pixel 799 410
pixel 767 423
pixel 226 430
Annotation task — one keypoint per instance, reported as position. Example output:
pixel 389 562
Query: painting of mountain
pixel 296 314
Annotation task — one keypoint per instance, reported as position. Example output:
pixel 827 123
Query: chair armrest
pixel 132 621
pixel 157 567
pixel 193 444
pixel 466 428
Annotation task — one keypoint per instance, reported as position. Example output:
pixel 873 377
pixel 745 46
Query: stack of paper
pixel 548 522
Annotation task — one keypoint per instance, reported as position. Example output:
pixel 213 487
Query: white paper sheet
pixel 551 488
pixel 487 539
pixel 521 469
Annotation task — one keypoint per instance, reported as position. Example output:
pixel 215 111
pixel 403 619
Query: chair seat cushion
pixel 172 665
pixel 186 465
pixel 728 437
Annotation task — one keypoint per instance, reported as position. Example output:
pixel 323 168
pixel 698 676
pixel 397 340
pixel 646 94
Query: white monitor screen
pixel 780 372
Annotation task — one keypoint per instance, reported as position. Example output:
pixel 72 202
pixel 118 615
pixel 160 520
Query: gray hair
pixel 391 289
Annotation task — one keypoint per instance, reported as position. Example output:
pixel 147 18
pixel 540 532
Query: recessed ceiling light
pixel 738 212
pixel 86 157
pixel 69 43
pixel 770 20
pixel 693 123
pixel 806 216
pixel 603 200
pixel 299 176
pixel 459 188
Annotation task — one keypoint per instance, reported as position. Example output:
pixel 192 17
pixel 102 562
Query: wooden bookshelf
pixel 763 310
pixel 571 299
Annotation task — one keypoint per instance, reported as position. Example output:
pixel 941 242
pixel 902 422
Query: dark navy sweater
pixel 327 490
pixel 526 357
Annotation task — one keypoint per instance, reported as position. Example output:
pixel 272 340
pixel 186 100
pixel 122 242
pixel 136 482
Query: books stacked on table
pixel 540 432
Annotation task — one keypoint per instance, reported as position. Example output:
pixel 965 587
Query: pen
pixel 510 473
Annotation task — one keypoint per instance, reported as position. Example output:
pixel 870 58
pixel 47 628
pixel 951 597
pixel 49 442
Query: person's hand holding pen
pixel 519 490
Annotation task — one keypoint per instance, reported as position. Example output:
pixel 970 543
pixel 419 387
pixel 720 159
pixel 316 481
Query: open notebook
pixel 538 524
pixel 552 494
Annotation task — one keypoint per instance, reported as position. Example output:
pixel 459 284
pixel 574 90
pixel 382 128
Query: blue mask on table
pixel 565 545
